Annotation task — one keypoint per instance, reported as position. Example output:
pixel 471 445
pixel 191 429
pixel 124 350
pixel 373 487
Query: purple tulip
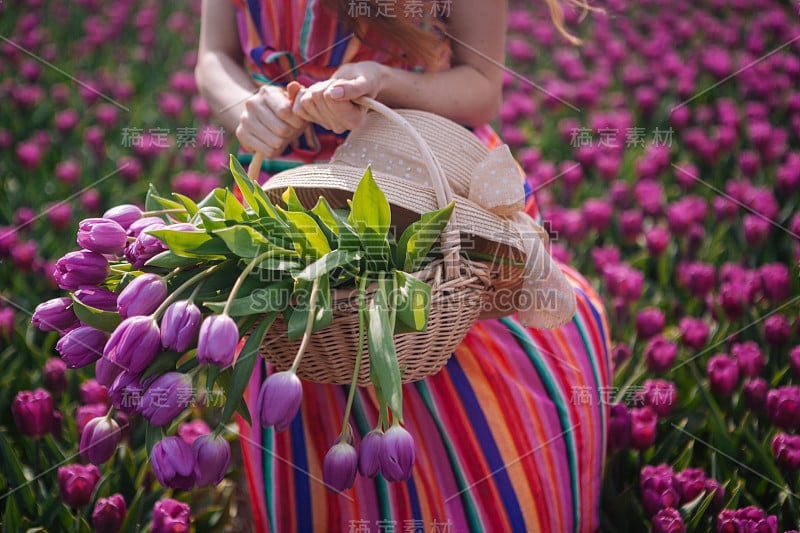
pixel 748 519
pixel 99 439
pixel 723 374
pixel 630 224
pixel 660 354
pixel 173 463
pixel 93 392
pixel 167 397
pixel 109 514
pixel 142 296
pixel 754 394
pixel 658 488
pixel 102 235
pixel 783 407
pixel 124 215
pixel 135 229
pixel 54 376
pixel 749 357
pixel 145 247
pixel 82 346
pixel 694 332
pixel 621 353
pixel 55 315
pixel 134 344
pixel 602 256
pixel 370 453
pixel 212 456
pixel 787 451
pixel 624 282
pixel 76 484
pixel 171 516
pixel 80 268
pixel 777 330
pixel 106 371
pixel 97 297
pixel 691 483
pixel 657 239
pixel 6 322
pixel 643 427
pixel 68 172
pixel 619 427
pixel 718 498
pixel 86 413
pixel 776 281
pixel 279 400
pixel 697 278
pixel 397 458
pixel 660 395
pixel 180 326
pixel 794 360
pixel 33 412
pixel 649 322
pixel 60 216
pixel 756 229
pixel 339 466
pixel 190 431
pixel 217 342
pixel 126 393
pixel 667 521
pixel 597 214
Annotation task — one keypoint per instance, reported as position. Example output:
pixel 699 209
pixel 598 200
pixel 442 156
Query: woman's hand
pixel 268 124
pixel 329 103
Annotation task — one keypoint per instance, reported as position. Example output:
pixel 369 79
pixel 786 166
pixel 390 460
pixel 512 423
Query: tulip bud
pixel 650 322
pixel 102 235
pixel 6 322
pixel 754 394
pixel 97 297
pixel 218 340
pixel 339 466
pixel 667 521
pixel 619 427
pixel 76 484
pixel 694 332
pixel 124 215
pixel 212 456
pixel 166 398
pixel 691 482
pixel 170 516
pixel 134 344
pixel 100 439
pixel 93 392
pixel 657 240
pixel 660 395
pixel 80 268
pixel 787 451
pixel 658 488
pixel 55 315
pixel 783 407
pixel 190 431
pixel 142 296
pixel 777 330
pixel 660 354
pixel 370 453
pixel 723 375
pixel 749 358
pixel 397 459
pixel 279 400
pixel 747 519
pixel 145 247
pixel 54 376
pixel 126 393
pixel 173 463
pixel 180 325
pixel 140 225
pixel 82 346
pixel 109 514
pixel 33 412
pixel 712 486
pixel 86 413
pixel 106 371
pixel 643 428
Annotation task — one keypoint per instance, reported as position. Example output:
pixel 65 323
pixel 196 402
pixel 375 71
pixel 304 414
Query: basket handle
pixel 451 240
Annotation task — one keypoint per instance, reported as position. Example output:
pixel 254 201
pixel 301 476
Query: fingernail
pixel 336 92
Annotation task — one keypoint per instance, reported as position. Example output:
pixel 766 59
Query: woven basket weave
pixel 458 286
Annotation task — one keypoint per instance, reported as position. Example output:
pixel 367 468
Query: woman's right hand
pixel 268 125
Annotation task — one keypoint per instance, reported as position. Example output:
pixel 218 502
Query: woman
pixel 504 440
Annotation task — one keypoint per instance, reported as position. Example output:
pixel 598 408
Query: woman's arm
pixel 469 92
pixel 261 117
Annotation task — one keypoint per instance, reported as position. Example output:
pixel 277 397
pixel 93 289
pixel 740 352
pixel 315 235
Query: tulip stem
pixel 312 304
pixel 177 292
pixel 359 352
pixel 238 285
pixel 37 447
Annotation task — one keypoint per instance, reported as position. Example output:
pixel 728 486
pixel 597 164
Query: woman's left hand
pixel 329 103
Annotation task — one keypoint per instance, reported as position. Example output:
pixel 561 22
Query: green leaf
pixel 326 215
pixel 244 241
pixel 184 243
pixel 212 199
pixel 97 318
pixel 150 202
pixel 14 476
pixel 152 435
pixel 382 354
pixel 323 311
pixel 12 519
pixel 243 367
pixel 272 298
pixel 170 260
pixel 327 263
pixel 210 218
pixel 165 362
pixel 308 238
pixel 187 202
pixel 291 200
pixel 370 209
pixel 417 240
pixel 413 301
pixel 234 210
pixel 252 194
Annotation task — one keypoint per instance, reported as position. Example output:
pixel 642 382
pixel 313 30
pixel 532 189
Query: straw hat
pixel 488 190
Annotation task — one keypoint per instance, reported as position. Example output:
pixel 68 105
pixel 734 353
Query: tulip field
pixel 664 152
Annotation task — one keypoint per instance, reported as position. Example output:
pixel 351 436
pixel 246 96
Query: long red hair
pixel 421 45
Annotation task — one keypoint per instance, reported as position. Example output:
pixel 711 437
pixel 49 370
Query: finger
pixel 278 104
pixel 350 89
pixel 292 89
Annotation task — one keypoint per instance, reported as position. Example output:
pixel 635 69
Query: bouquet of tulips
pixel 173 303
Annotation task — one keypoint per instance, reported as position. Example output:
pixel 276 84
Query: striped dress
pixel 510 434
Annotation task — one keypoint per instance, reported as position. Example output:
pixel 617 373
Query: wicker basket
pixel 458 286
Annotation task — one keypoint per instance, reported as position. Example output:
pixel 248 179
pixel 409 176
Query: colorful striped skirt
pixel 510 437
